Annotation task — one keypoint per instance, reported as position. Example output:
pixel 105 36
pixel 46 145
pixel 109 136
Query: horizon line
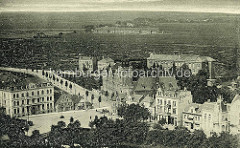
pixel 116 10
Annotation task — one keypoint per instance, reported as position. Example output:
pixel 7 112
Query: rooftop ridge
pixel 28 87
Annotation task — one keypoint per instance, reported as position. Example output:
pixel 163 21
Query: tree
pixel 196 139
pixel 112 95
pixel 60 34
pixel 61 124
pixel 66 84
pixel 92 98
pixel 89 28
pixel 74 125
pixel 173 70
pixel 197 84
pixel 133 112
pixel 54 78
pixel 43 73
pixel 71 120
pixel 162 121
pixel 106 94
pixel 61 82
pixel 183 81
pixel 70 86
pixel 77 124
pixel 35 134
pixel 157 126
pixel 99 100
pixel 87 93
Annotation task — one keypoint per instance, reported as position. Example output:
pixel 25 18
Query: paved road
pixel 43 122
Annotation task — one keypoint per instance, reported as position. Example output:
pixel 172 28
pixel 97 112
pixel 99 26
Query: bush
pixel 61 116
pixel 30 123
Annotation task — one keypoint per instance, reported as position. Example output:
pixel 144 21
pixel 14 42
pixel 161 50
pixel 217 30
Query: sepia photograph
pixel 119 73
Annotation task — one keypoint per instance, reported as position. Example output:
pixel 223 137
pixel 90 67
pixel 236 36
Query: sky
pixel 222 6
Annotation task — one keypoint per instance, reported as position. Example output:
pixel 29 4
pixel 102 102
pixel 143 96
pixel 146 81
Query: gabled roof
pixel 209 106
pixel 237 97
pixel 75 99
pixel 106 60
pixel 196 106
pixel 168 83
pixel 181 57
pixel 151 83
pixel 85 57
pixel 146 84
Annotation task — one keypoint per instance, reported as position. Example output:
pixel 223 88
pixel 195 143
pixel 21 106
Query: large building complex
pixel 194 62
pixel 27 100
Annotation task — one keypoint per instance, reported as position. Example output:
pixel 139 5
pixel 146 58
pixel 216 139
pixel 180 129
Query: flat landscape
pixel 209 34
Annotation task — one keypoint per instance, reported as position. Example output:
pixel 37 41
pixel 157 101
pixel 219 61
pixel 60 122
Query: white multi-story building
pixel 192 117
pixel 87 63
pixel 234 115
pixel 171 101
pixel 27 100
pixel 211 117
pixel 194 62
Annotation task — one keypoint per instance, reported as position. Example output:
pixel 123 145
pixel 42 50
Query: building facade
pixel 65 103
pixel 194 62
pixel 170 105
pixel 234 115
pixel 104 63
pixel 116 83
pixel 211 117
pixel 87 63
pixel 192 117
pixel 28 100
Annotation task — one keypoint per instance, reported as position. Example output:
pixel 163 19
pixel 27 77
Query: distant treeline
pixel 143 22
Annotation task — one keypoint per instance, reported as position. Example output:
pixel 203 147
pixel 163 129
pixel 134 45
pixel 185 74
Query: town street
pixel 43 122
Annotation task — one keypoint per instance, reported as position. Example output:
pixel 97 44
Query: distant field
pixel 216 39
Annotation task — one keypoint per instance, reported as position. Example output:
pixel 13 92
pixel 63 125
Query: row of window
pixel 169 102
pixel 35 100
pixel 197 65
pixel 197 118
pixel 179 64
pixel 17 111
pixel 33 93
pixel 165 94
pixel 66 103
pixel 207 116
pixel 162 109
